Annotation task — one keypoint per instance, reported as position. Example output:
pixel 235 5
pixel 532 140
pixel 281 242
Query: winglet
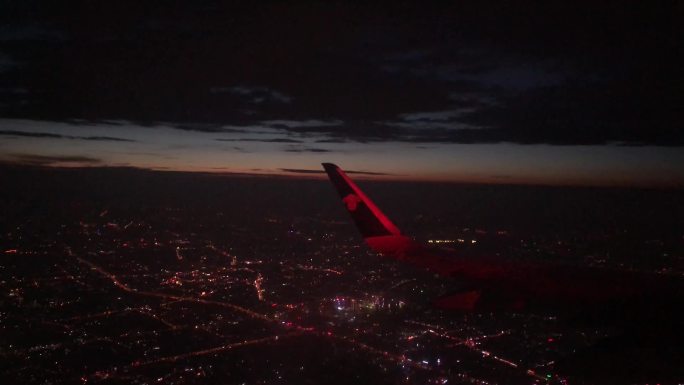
pixel 367 216
pixel 379 232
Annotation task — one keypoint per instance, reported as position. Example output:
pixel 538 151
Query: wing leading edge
pixel 380 233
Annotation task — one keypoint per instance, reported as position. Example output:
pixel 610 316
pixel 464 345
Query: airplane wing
pixel 646 305
pixel 495 280
pixel 380 233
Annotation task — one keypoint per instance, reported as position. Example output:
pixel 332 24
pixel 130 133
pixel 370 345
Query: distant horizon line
pixel 366 176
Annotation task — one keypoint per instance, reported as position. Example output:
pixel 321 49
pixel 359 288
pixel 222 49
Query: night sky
pixel 550 93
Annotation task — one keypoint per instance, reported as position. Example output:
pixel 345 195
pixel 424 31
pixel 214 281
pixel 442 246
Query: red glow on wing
pixel 373 208
pixel 391 245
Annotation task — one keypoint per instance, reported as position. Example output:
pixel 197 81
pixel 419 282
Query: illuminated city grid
pixel 177 295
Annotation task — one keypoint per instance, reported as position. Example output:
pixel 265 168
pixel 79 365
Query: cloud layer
pixel 15 133
pixel 52 160
pixel 552 73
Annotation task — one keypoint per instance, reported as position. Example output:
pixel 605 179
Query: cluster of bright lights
pixel 458 240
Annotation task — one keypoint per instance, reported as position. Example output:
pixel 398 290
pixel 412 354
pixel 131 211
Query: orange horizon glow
pixel 164 148
pixel 315 174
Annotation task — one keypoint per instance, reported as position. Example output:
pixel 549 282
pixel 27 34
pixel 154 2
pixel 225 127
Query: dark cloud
pixel 48 160
pixel 60 136
pixel 237 149
pixel 578 114
pixel 302 171
pixel 307 171
pixel 101 138
pixel 306 149
pixel 555 73
pixel 400 131
pixel 31 134
pixel 311 124
pixel 265 140
pixel 201 127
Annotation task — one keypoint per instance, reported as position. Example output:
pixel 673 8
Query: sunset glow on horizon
pixel 433 92
pixel 277 152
